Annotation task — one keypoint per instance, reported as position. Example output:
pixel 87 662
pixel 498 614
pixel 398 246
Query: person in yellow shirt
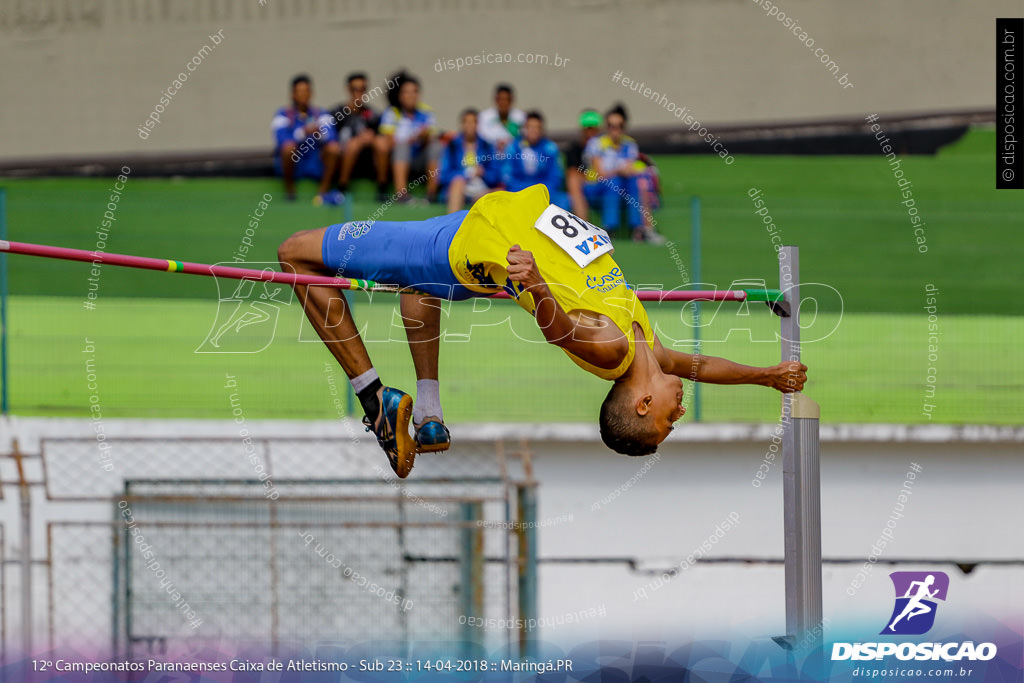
pixel 556 266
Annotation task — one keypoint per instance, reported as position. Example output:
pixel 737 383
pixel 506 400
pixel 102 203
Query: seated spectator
pixel 580 176
pixel 469 169
pixel 614 157
pixel 534 159
pixel 305 144
pixel 648 181
pixel 500 124
pixel 407 134
pixel 355 123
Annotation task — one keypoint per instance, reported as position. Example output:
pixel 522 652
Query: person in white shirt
pixel 500 124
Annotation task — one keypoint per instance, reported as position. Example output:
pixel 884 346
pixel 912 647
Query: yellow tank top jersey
pixel 500 219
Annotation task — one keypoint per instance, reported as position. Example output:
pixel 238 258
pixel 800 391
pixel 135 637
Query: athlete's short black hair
pixel 355 76
pixel 535 114
pixel 622 430
pixel 302 78
pixel 467 111
pixel 503 87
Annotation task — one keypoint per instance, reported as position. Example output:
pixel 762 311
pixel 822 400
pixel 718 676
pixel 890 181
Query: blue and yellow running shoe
pixel 392 430
pixel 332 198
pixel 432 436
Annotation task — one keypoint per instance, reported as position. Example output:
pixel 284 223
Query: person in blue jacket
pixel 469 168
pixel 533 159
pixel 305 144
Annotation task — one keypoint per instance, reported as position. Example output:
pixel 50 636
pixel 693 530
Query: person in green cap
pixel 580 176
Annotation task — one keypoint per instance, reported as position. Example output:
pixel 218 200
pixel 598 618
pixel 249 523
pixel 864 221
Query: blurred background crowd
pixel 498 147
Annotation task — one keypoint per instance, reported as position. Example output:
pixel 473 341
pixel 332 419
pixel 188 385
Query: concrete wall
pixel 965 505
pixel 79 76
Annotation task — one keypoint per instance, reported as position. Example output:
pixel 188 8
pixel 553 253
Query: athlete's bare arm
pixel 594 341
pixel 604 345
pixel 787 377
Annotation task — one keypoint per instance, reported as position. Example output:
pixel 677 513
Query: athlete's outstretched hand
pixel 522 268
pixel 788 376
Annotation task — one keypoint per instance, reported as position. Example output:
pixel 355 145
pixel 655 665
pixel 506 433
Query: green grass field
pixel 844 213
pixel 143 353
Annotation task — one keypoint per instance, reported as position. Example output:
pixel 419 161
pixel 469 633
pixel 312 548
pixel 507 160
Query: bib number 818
pixel 561 222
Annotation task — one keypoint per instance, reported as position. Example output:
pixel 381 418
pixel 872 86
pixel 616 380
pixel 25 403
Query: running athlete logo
pixel 247 317
pixel 916 593
pixel 354 228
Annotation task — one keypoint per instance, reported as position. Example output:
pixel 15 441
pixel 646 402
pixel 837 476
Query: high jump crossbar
pixel 772 297
pixel 799 418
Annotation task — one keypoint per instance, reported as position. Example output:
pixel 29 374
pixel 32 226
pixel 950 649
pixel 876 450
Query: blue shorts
pixel 408 253
pixel 309 165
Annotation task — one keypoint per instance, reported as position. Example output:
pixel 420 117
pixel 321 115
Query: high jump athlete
pixel 556 266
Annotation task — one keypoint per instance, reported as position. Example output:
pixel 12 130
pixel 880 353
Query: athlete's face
pixel 469 127
pixel 356 89
pixel 665 403
pixel 302 94
pixel 616 125
pixel 503 103
pixel 409 95
pixel 534 131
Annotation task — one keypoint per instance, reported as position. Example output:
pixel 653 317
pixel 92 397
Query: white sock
pixel 428 400
pixel 364 380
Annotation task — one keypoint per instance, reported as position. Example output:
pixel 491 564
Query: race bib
pixel 581 240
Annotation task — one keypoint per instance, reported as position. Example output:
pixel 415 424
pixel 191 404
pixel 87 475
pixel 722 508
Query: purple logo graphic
pixel 916 593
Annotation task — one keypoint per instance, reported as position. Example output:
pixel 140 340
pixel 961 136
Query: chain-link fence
pixel 170 542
